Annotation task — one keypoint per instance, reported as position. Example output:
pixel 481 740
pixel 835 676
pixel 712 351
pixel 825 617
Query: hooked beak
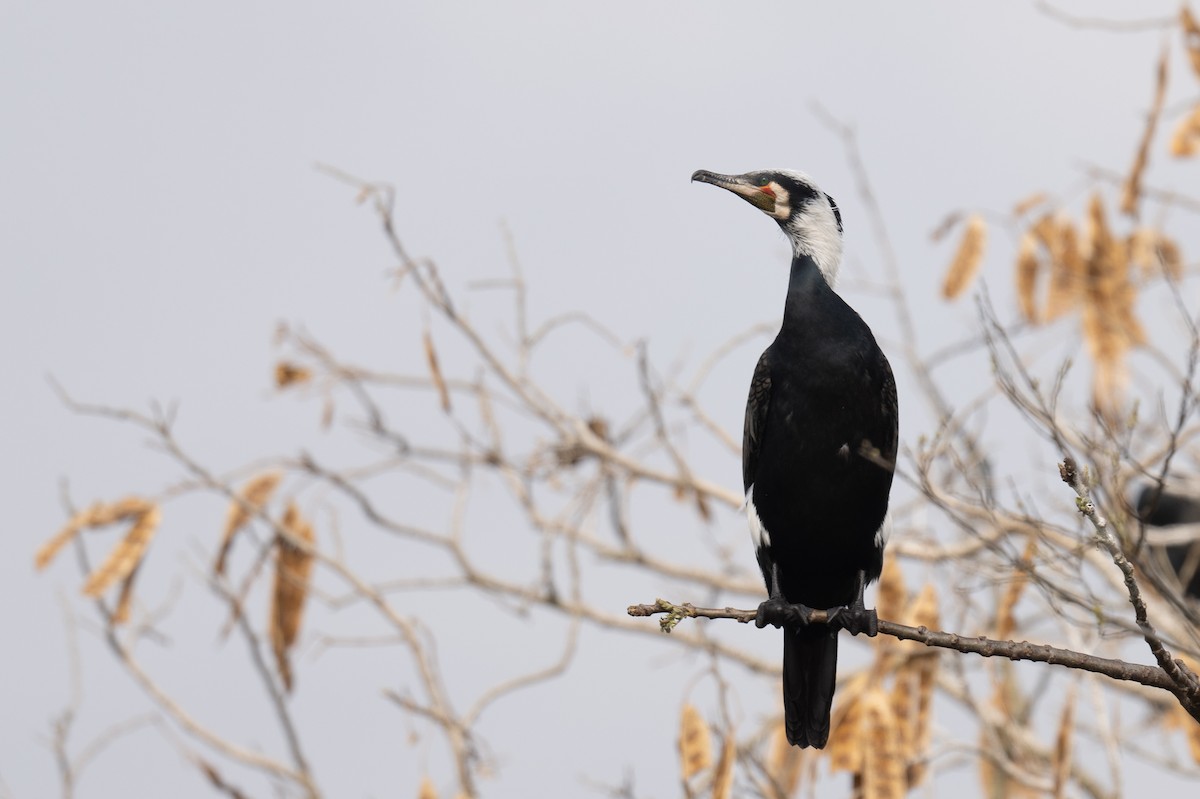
pixel 760 197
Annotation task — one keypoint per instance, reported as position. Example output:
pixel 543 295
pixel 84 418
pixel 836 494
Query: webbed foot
pixel 855 619
pixel 778 612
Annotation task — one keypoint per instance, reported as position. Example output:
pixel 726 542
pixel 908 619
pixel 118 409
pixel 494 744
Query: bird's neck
pixel 817 239
pixel 808 292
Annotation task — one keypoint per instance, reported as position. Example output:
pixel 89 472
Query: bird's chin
pixel 762 201
pixel 756 197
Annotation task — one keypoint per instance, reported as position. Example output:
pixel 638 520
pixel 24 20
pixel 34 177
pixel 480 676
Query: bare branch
pixel 977 645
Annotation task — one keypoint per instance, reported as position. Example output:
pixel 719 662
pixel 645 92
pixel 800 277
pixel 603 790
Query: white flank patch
pixel 884 531
pixel 758 533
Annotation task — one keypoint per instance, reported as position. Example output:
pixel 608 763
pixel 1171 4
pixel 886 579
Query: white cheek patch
pixel 783 206
pixel 758 533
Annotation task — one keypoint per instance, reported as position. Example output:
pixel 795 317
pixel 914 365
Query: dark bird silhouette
pixel 818 451
pixel 1158 507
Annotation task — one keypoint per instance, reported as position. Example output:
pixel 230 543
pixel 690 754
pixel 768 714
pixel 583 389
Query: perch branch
pixel 1151 676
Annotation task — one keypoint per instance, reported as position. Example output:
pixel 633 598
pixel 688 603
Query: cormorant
pixel 818 451
pixel 1160 508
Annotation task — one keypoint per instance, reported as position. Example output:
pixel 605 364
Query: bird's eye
pixel 762 181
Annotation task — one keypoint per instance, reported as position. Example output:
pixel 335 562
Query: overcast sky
pixel 162 213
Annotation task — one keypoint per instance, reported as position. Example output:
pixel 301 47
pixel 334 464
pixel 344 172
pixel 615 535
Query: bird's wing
pixel 890 435
pixel 756 416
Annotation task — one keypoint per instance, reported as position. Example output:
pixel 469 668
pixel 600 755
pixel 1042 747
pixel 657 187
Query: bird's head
pixel 809 217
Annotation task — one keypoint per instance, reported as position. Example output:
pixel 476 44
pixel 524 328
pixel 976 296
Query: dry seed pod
pixel 924 609
pixel 125 509
pixel 293 569
pixel 1106 351
pixel 125 599
pixel 1185 139
pixel 1005 620
pixel 723 774
pixel 1063 744
pixel 1193 732
pixel 893 594
pixel 695 745
pixel 125 558
pixel 290 374
pixel 1068 269
pixel 784 762
pixel 967 259
pixel 906 694
pixel 1132 190
pixel 998 781
pixel 923 669
pixel 1109 383
pixel 254 495
pixel 1170 257
pixel 989 775
pixel 1125 300
pixel 126 555
pixel 48 550
pixel 1045 230
pixel 1191 37
pixel 1109 326
pixel 1097 237
pixel 844 748
pixel 292 572
pixel 427 791
pixel 1142 247
pixel 883 773
pixel 903 699
pixel 1027 270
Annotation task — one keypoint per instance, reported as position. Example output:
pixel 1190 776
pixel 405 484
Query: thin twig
pixel 1183 682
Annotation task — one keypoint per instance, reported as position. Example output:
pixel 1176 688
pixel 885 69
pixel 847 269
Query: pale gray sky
pixel 162 212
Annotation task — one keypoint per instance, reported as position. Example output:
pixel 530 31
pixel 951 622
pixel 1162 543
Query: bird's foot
pixel 778 612
pixel 854 619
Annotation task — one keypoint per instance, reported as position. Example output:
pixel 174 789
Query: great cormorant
pixel 818 451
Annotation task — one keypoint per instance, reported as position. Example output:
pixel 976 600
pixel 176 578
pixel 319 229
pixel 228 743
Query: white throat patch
pixel 814 232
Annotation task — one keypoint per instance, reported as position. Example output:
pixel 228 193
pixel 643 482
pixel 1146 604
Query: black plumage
pixel 818 453
pixel 1157 507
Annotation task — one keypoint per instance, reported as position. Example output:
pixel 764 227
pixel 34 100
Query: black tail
pixel 809 677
